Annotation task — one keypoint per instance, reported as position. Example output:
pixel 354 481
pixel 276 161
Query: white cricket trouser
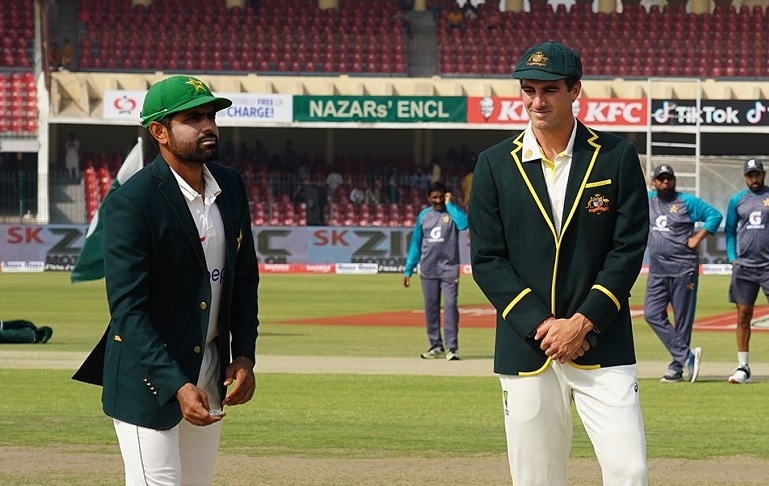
pixel 184 455
pixel 539 429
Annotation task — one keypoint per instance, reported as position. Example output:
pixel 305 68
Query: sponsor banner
pixel 297 268
pixel 123 105
pixel 715 269
pixel 721 113
pixel 22 266
pixel 380 109
pixel 615 112
pixel 356 268
pixel 249 109
pixel 59 246
pixel 246 109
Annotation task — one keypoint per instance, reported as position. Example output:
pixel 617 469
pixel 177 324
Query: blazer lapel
pixel 535 181
pixel 169 189
pixel 586 149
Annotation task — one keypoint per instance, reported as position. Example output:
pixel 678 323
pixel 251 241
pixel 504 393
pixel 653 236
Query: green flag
pixel 90 263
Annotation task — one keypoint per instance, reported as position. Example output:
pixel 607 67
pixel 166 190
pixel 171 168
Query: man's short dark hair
pixel 437 186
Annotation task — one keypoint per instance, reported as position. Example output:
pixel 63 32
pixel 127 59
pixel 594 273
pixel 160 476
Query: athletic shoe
pixel 43 334
pixel 452 355
pixel 434 352
pixel 672 377
pixel 741 375
pixel 693 364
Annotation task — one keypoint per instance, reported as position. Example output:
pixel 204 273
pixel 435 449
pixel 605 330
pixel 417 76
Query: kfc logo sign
pixel 616 112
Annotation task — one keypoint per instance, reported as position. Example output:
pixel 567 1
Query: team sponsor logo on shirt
pixel 436 235
pixel 754 221
pixel 597 204
pixel 217 275
pixel 661 223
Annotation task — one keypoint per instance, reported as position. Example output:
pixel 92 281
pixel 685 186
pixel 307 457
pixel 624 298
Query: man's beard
pixel 666 194
pixel 192 153
pixel 756 188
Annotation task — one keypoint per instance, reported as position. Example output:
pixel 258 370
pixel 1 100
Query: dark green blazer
pixel 528 272
pixel 159 294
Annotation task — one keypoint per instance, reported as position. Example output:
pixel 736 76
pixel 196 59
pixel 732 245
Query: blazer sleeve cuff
pixel 600 306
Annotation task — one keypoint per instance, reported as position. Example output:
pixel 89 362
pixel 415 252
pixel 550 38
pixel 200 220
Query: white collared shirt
pixel 556 172
pixel 208 221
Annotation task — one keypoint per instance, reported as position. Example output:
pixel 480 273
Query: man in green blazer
pixel 558 228
pixel 181 275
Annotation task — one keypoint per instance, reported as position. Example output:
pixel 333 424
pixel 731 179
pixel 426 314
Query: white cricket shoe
pixel 741 375
pixel 693 364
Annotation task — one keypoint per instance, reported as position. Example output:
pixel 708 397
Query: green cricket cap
pixel 175 94
pixel 549 61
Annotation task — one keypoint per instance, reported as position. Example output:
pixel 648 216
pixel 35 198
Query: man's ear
pixel 159 132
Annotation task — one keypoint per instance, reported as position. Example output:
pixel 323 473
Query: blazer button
pixel 196 349
pixel 203 306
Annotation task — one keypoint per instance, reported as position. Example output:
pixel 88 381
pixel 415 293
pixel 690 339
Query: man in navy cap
pixel 674 269
pixel 181 274
pixel 747 247
pixel 558 228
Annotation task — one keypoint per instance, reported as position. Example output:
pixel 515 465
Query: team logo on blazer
pixel 597 204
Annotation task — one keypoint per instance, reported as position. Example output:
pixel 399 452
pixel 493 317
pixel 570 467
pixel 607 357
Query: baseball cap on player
pixel 175 94
pixel 549 61
pixel 663 169
pixel 752 165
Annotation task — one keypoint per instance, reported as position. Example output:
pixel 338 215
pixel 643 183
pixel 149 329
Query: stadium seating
pixel 284 36
pixel 18 90
pixel 728 43
pixel 365 37
pixel 18 98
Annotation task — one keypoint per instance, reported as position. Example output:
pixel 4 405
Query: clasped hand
pixel 564 339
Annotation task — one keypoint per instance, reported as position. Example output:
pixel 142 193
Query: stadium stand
pixel 296 37
pixel 628 44
pixel 18 92
pixel 287 37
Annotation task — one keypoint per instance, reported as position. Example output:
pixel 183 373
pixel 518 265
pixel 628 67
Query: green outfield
pixel 363 416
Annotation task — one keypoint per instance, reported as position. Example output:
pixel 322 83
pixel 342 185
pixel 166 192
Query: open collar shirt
pixel 556 171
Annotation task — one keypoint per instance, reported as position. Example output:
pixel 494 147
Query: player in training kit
pixel 747 247
pixel 674 269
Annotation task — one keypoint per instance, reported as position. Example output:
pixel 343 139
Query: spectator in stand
pixel 455 19
pixel 67 54
pixel 357 195
pixel 304 170
pixel 391 191
pixel 375 195
pixel 72 156
pixel 54 56
pixel 333 181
